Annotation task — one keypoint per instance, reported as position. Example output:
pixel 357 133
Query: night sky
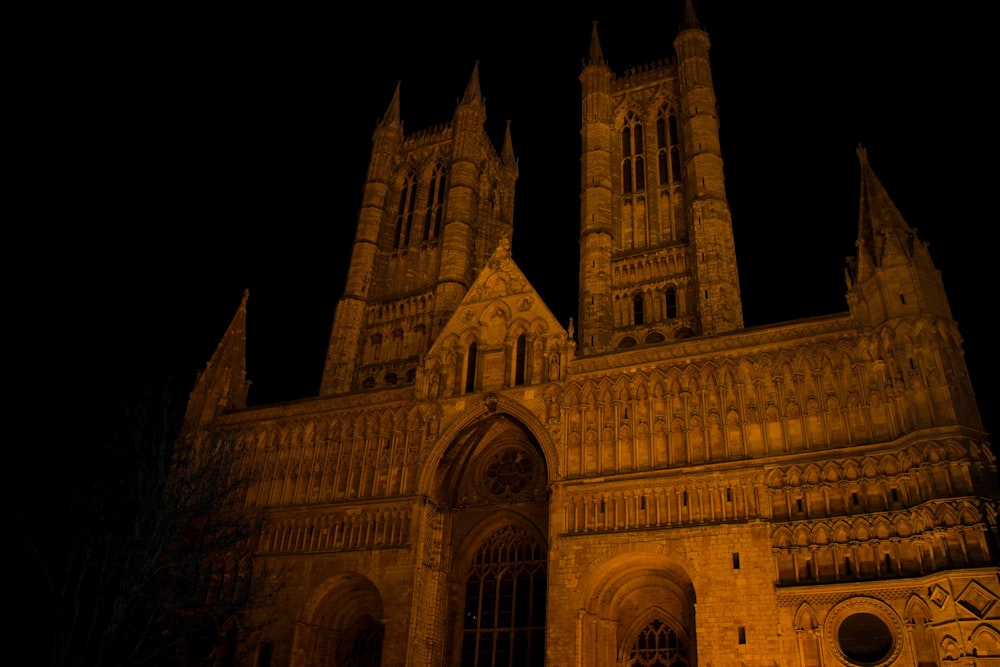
pixel 209 152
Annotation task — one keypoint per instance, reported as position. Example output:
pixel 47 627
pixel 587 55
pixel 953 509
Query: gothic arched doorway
pixel 495 488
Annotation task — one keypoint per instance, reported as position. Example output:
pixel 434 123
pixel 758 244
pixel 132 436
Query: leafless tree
pixel 138 552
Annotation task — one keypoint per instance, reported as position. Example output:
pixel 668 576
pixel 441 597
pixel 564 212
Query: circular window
pixel 864 632
pixel 864 638
pixel 508 472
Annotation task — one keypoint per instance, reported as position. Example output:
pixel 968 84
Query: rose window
pixel 508 473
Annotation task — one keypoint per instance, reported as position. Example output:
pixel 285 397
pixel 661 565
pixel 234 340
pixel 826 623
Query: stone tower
pixel 657 257
pixel 435 205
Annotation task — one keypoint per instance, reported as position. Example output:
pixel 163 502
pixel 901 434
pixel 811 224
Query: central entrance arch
pixel 493 485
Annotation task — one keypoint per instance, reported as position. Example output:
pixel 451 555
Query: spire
pixel 690 21
pixel 595 56
pixel 882 232
pixel 893 275
pixel 392 114
pixel 222 386
pixel 507 152
pixel 473 94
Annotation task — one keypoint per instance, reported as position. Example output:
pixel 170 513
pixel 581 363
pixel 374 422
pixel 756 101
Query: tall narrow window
pixel 667 150
pixel 520 350
pixel 470 368
pixel 633 169
pixel 504 620
pixel 374 348
pixel 404 216
pixel 671 295
pixel 675 155
pixel 637 308
pixel 435 204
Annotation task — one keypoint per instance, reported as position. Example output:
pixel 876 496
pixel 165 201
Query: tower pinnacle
pixel 392 114
pixel 473 94
pixel 690 21
pixel 595 56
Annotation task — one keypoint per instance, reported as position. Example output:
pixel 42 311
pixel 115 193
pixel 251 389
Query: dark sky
pixel 210 152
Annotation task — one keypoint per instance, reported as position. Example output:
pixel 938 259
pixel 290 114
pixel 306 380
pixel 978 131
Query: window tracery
pixel 657 646
pixel 504 618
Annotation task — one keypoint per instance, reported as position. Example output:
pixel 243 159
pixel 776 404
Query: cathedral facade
pixel 478 483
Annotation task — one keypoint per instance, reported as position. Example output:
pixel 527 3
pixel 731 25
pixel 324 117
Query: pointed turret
pixel 392 115
pixel 595 56
pixel 458 237
pixel 222 386
pixel 507 151
pixel 473 93
pixel 344 337
pixel 893 274
pixel 690 21
pixel 717 298
pixel 597 197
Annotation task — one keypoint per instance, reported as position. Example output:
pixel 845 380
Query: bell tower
pixel 435 205
pixel 657 256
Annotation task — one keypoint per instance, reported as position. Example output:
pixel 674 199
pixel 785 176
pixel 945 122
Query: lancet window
pixel 633 168
pixel 470 368
pixel 435 204
pixel 404 215
pixel 638 309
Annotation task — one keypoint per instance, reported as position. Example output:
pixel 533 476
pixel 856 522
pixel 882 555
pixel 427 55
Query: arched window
pixel 504 619
pixel 633 170
pixel 520 352
pixel 671 295
pixel 374 348
pixel 668 157
pixel 675 153
pixel 404 216
pixel 435 204
pixel 470 368
pixel 637 308
pixel 657 646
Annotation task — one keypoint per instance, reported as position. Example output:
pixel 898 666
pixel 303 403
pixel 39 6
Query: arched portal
pixel 342 625
pixel 639 611
pixel 492 485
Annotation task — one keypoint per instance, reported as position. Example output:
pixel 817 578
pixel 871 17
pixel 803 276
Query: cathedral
pixel 652 485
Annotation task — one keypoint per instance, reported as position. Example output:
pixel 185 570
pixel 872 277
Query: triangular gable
pixel 498 308
pixel 500 302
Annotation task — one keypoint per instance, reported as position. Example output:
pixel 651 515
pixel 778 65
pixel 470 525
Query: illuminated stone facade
pixel 656 486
